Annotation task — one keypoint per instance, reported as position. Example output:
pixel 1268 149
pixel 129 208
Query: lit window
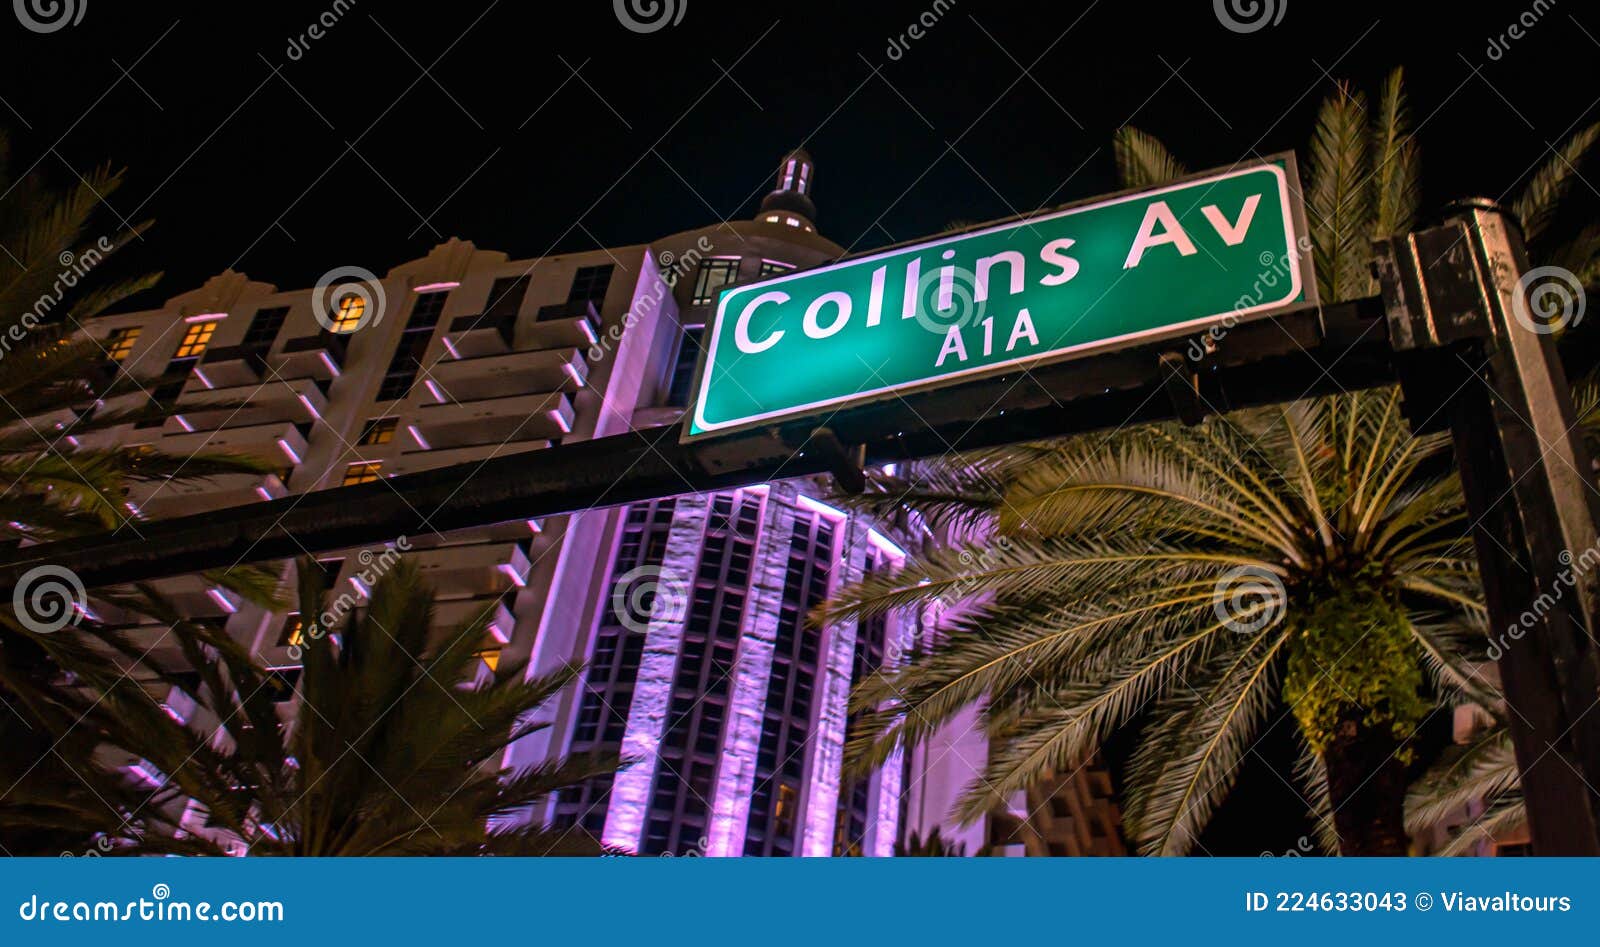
pixel 360 473
pixel 351 308
pixel 195 339
pixel 491 659
pixel 293 634
pixel 713 276
pixel 120 342
pixel 377 431
pixel 773 268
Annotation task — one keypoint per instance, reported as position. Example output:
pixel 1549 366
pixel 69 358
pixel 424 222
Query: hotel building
pixel 690 613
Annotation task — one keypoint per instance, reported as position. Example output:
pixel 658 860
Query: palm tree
pixel 391 745
pixel 1195 581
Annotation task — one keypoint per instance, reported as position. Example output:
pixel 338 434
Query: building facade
pixel 691 614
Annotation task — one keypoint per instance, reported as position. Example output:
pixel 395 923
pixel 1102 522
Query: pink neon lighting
pixel 437 287
pixel 416 435
pixel 433 389
pixel 511 573
pixel 588 330
pixel 361 587
pixel 202 376
pixel 207 317
pixel 450 347
pixel 222 600
pixel 561 420
pixel 573 374
pixel 818 506
pixel 183 422
pixel 328 361
pixel 262 493
pixel 289 450
pixel 534 526
pixel 310 407
pixel 499 635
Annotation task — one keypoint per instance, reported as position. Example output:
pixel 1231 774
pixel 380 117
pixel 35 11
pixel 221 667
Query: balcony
pixel 300 401
pixel 479 335
pixel 278 443
pixel 513 373
pixel 413 461
pixel 195 597
pixel 575 324
pixel 480 570
pixel 493 421
pixel 449 614
pixel 321 356
pixel 233 365
pixel 180 498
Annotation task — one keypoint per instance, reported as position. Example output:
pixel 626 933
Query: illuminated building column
pixel 652 694
pixel 741 737
pixel 833 699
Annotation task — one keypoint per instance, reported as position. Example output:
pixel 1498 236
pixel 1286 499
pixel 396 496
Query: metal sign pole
pixel 1474 360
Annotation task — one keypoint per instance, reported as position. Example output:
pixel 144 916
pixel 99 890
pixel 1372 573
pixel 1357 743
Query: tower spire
pixel 789 203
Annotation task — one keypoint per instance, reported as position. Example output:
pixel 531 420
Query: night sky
pixel 536 131
pixel 534 128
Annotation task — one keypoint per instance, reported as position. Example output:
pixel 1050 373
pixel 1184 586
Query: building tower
pixel 789 203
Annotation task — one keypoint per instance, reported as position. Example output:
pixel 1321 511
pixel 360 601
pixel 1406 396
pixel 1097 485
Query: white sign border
pixel 1297 282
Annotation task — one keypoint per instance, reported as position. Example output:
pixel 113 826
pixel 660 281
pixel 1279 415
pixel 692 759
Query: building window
pixel 120 342
pixel 773 268
pixel 683 369
pixel 195 339
pixel 506 295
pixel 713 276
pixel 426 310
pixel 351 308
pixel 377 431
pixel 361 473
pixel 590 283
pixel 293 633
pixel 264 327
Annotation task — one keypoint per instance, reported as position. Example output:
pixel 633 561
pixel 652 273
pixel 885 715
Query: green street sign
pixel 1191 257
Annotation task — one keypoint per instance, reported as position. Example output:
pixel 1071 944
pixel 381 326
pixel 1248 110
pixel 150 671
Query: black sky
pixel 502 144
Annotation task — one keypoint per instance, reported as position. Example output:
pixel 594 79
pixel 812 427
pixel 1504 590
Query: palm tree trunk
pixel 1367 786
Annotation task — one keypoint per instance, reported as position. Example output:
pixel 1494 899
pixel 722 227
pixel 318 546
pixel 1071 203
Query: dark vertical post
pixel 1473 358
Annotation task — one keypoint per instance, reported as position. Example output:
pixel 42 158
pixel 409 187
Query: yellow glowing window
pixel 293 635
pixel 195 339
pixel 120 342
pixel 360 473
pixel 491 659
pixel 377 431
pixel 351 309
